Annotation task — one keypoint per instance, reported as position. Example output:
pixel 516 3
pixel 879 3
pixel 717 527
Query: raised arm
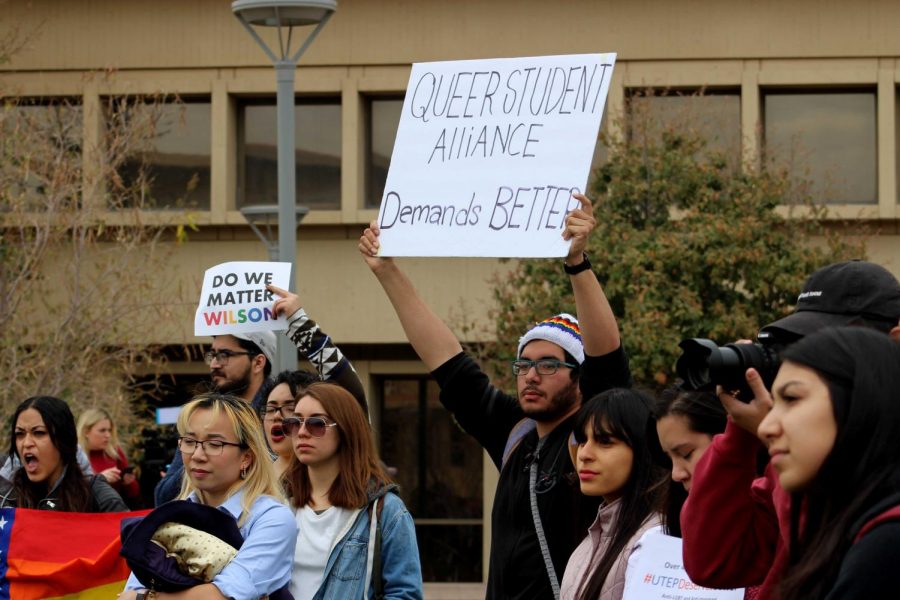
pixel 730 523
pixel 429 335
pixel 599 330
pixel 317 347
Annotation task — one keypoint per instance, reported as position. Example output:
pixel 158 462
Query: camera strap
pixel 536 517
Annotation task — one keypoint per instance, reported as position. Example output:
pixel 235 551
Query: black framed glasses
pixel 210 447
pixel 315 426
pixel 544 366
pixel 222 356
pixel 285 410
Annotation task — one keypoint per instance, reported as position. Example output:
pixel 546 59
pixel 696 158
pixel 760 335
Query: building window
pixel 712 115
pixel 317 135
pixel 897 140
pixel 439 469
pixel 168 164
pixel 381 131
pixel 827 138
pixel 41 153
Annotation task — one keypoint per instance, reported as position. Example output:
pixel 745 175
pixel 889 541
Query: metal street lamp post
pixel 285 15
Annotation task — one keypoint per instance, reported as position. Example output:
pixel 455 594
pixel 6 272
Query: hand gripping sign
pixel 234 298
pixel 488 154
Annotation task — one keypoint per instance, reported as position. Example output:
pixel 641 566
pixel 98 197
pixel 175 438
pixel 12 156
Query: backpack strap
pixel 379 582
pixel 538 524
pixel 374 572
pixel 519 431
pixel 891 514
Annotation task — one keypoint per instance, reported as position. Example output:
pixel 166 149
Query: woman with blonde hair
pixel 227 466
pixel 44 443
pixel 97 436
pixel 357 539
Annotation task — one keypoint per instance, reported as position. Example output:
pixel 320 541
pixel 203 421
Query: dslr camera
pixel 704 364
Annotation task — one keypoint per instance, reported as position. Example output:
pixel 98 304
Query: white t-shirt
pixel 318 534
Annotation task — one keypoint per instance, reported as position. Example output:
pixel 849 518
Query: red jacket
pixel 100 461
pixel 730 522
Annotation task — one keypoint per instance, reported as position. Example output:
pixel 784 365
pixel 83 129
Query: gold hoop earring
pixel 243 472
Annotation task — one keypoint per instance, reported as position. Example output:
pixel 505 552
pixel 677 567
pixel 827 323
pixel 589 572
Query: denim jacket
pixel 348 572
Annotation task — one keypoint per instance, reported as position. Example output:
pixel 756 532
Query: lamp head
pixel 287 13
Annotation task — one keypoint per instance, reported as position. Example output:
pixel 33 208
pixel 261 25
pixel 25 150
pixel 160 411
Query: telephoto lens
pixel 704 364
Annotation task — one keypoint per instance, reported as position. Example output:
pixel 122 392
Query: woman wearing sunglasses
pixel 44 441
pixel 227 466
pixel 280 393
pixel 357 539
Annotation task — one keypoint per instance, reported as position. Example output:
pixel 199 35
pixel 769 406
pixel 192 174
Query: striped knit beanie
pixel 561 330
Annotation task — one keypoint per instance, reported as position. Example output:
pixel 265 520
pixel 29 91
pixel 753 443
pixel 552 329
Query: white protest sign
pixel 488 154
pixel 659 575
pixel 234 298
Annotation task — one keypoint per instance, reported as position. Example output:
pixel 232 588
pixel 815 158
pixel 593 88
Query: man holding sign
pixel 240 361
pixel 539 514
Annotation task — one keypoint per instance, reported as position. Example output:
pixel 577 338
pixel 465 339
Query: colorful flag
pixel 46 554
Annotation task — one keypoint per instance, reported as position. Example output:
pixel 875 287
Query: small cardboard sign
pixel 659 575
pixel 488 154
pixel 234 298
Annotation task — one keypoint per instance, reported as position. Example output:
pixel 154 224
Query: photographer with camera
pixel 735 524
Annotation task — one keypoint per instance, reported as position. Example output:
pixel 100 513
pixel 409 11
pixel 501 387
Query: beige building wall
pixel 92 48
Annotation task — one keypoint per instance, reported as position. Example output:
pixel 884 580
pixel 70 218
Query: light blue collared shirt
pixel 263 564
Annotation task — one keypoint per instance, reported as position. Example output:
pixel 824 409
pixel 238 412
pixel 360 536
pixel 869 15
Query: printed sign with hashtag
pixel 660 575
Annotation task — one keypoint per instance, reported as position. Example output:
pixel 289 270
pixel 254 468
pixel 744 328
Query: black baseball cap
pixel 839 294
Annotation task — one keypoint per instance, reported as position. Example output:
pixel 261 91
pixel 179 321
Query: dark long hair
pixel 862 371
pixel 73 494
pixel 702 409
pixel 704 414
pixel 626 415
pixel 296 381
pixel 359 465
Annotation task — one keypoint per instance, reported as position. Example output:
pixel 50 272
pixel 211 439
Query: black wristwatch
pixel 584 265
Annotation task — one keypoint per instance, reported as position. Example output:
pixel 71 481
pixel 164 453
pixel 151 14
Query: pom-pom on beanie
pixel 562 330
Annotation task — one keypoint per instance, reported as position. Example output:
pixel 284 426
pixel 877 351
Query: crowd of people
pixel 793 493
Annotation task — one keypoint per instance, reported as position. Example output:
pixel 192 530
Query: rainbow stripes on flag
pixel 45 554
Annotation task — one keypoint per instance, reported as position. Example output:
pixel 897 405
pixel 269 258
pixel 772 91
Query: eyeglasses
pixel 544 366
pixel 222 356
pixel 315 426
pixel 285 410
pixel 210 447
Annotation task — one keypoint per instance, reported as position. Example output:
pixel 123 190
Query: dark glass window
pixel 897 142
pixel 439 469
pixel 828 138
pixel 317 135
pixel 714 116
pixel 41 153
pixel 169 163
pixel 382 124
